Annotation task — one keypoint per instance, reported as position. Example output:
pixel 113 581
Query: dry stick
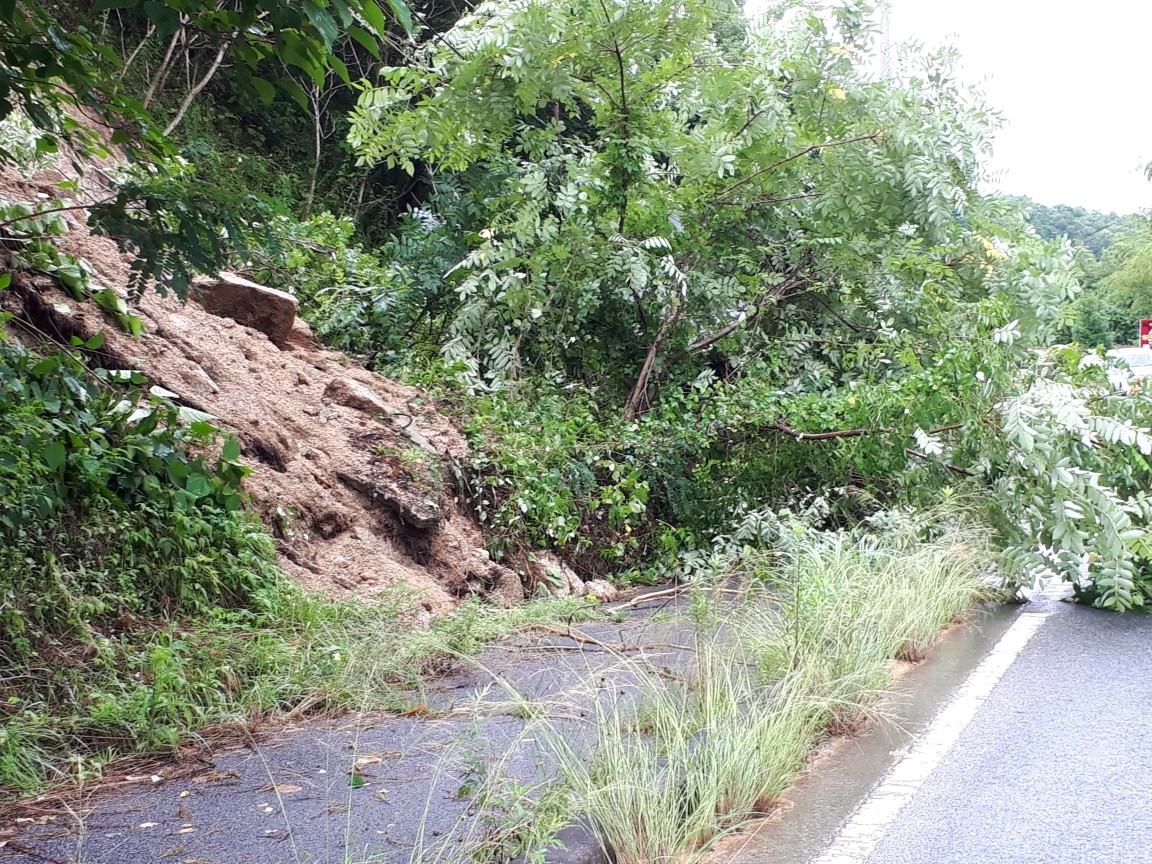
pixel 752 119
pixel 779 290
pixel 200 85
pixel 653 595
pixel 165 69
pixel 588 640
pixel 781 426
pixel 748 205
pixel 621 648
pixel 304 705
pixel 317 144
pixel 16 219
pixel 575 637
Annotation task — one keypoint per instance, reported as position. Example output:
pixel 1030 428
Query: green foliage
pixel 113 514
pixel 656 192
pixel 173 223
pixel 176 228
pixel 1090 229
pixel 389 302
pixel 550 471
pixel 1100 322
pixel 1129 287
pixel 46 69
pixel 139 601
pixel 27 232
pixel 1073 479
pixel 385 302
pixel 84 455
pixel 1118 286
pixel 733 275
pixel 301 34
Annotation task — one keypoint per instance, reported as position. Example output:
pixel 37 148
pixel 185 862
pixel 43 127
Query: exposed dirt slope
pixel 352 470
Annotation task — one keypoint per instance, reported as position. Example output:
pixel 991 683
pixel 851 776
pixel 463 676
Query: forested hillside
pixel 684 281
pixel 1091 229
pixel 1112 254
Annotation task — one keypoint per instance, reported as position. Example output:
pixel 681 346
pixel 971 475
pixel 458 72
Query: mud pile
pixel 352 472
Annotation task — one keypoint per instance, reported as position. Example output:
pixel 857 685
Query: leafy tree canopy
pixel 663 200
pixel 716 270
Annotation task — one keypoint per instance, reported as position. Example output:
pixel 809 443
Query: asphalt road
pixel 1056 765
pixel 292 799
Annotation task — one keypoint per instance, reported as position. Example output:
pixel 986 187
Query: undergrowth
pixel 140 601
pixel 795 636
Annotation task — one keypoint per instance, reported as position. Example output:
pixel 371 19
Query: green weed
pixel 806 647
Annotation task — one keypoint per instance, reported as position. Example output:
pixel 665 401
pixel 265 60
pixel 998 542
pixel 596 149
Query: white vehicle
pixel 1129 367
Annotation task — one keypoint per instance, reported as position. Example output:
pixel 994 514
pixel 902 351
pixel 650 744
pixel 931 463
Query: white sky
pixel 1074 82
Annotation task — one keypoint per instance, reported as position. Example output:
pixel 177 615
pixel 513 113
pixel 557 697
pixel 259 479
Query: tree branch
pixel 953 468
pixel 200 85
pixel 748 205
pixel 745 180
pixel 165 69
pixel 708 341
pixel 781 426
pixel 756 115
pixel 641 385
pixel 136 53
pixel 779 290
pixel 8 222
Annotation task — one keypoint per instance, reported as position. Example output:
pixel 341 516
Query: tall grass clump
pixel 805 647
pixel 377 658
pixel 669 766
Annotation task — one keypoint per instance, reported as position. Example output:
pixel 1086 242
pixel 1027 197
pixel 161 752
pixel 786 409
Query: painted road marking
pixel 876 814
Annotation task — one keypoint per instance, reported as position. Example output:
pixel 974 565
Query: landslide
pixel 352 472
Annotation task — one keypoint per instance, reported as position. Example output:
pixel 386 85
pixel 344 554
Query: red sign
pixel 1146 332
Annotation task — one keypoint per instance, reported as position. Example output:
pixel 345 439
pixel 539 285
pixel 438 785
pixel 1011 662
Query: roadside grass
pixel 806 649
pixel 660 762
pixel 130 699
pixel 379 660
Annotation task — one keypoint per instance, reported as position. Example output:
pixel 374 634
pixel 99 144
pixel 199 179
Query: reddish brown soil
pixel 351 471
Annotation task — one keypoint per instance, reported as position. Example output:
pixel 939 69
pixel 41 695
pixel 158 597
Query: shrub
pixel 122 526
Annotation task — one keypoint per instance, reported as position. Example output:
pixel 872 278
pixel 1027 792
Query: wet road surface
pixel 1043 754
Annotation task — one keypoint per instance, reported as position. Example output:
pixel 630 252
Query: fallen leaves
pixel 281 789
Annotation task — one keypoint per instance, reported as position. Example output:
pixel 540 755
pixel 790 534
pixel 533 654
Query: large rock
pixel 357 396
pixel 265 309
pixel 556 576
pixel 360 397
pixel 604 592
pixel 413 508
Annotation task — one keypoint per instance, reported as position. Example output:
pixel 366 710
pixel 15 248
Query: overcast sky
pixel 1074 81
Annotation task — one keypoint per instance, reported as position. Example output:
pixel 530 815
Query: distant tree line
pixel 1114 255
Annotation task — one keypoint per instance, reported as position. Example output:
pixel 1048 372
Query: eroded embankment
pixel 354 472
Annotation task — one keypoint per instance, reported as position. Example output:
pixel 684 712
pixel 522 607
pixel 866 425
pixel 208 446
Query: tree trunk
pixel 161 76
pixel 136 51
pixel 317 143
pixel 632 406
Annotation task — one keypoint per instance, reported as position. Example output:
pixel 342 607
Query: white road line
pixel 876 814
